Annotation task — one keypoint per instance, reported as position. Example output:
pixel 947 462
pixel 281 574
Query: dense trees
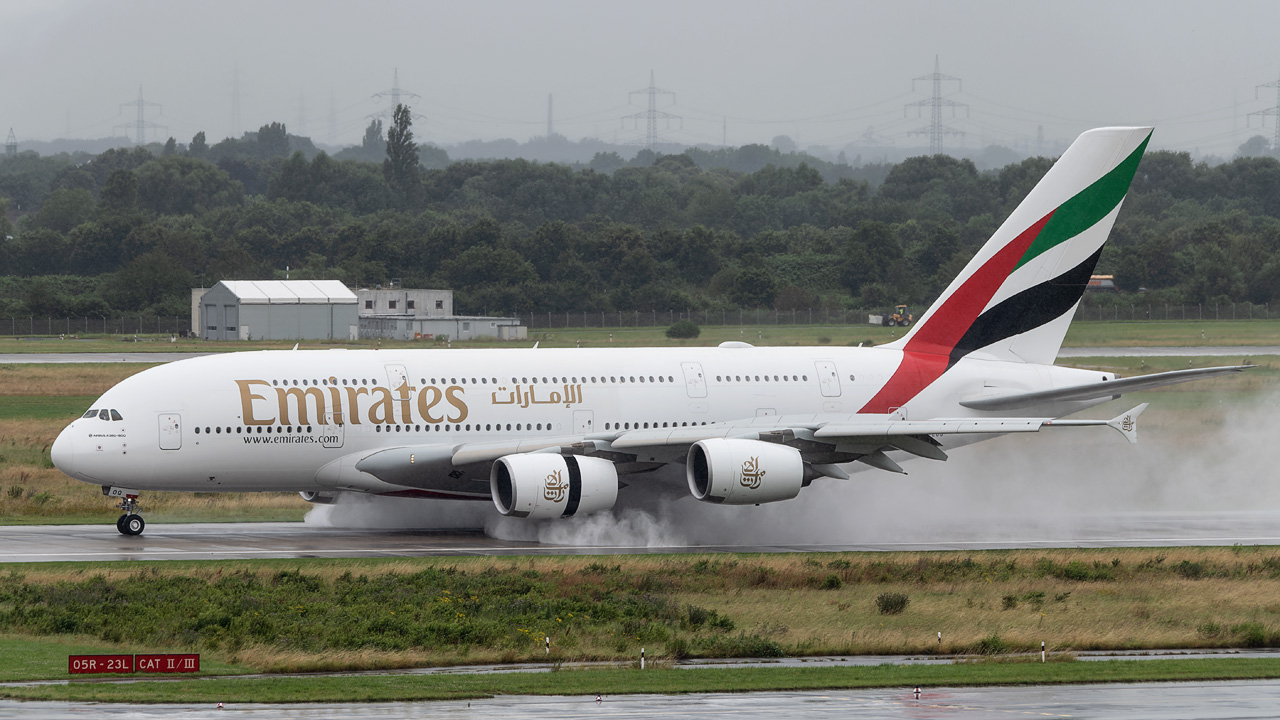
pixel 746 227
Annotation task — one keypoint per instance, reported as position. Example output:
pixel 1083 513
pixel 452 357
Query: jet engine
pixel 744 472
pixel 546 485
pixel 319 498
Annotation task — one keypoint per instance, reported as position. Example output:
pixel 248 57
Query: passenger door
pixel 828 380
pixel 694 381
pixel 170 431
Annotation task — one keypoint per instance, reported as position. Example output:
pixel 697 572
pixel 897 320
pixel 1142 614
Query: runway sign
pixel 162 663
pixel 82 664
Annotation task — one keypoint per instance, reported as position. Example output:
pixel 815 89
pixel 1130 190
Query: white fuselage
pixel 272 421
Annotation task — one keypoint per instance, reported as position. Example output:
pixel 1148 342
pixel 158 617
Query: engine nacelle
pixel 319 498
pixel 744 472
pixel 546 485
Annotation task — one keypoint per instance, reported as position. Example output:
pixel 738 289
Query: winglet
pixel 1127 423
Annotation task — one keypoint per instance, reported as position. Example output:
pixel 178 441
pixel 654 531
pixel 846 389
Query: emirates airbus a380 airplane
pixel 557 433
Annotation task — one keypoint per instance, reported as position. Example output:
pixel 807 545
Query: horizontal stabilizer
pixel 1093 391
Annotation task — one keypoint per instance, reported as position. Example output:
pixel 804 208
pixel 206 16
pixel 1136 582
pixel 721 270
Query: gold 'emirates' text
pixel 350 405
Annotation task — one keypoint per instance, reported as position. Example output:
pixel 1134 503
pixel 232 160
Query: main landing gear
pixel 130 523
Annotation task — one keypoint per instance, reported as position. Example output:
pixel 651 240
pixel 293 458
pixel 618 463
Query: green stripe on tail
pixel 1087 207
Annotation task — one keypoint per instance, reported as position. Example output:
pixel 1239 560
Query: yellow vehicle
pixel 900 316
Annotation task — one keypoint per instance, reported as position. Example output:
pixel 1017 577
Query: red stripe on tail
pixel 927 353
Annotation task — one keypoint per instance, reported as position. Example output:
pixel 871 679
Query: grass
pixel 24 658
pixel 319 615
pixel 59 380
pixel 612 682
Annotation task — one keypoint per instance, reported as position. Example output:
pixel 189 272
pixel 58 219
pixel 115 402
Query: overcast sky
pixel 745 70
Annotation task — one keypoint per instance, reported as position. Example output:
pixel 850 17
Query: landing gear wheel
pixel 132 524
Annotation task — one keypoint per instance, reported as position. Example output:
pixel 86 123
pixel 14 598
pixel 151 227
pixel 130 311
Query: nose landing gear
pixel 130 523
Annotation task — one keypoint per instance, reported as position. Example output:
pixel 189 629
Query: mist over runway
pixel 244 541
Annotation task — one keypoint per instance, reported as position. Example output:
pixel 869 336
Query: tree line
pixel 131 230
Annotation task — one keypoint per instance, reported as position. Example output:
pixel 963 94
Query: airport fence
pixel 823 316
pixel 129 325
pixel 181 326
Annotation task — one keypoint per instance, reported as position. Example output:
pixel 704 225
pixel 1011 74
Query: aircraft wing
pixel 825 440
pixel 1091 391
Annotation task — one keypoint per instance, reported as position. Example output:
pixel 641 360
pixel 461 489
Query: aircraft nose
pixel 63 452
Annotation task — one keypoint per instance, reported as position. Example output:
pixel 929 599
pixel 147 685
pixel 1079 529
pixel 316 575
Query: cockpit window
pixel 116 416
pixel 91 413
pixel 103 415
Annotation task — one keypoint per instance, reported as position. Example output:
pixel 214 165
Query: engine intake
pixel 544 485
pixel 744 472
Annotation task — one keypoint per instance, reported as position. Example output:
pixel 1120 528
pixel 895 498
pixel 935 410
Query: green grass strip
pixel 392 688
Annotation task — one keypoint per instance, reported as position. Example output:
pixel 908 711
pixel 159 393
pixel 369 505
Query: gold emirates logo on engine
pixel 751 473
pixel 554 487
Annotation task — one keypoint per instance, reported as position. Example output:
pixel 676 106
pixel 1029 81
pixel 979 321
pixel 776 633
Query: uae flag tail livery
pixel 1015 299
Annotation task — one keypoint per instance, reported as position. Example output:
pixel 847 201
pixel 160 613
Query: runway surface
pixel 212 541
pixel 1068 352
pixel 1158 701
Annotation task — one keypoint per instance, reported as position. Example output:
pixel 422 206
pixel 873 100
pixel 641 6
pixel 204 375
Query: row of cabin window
pixel 484 381
pixel 636 426
pixel 613 379
pixel 785 378
pixel 489 427
pixel 362 381
pixel 379 428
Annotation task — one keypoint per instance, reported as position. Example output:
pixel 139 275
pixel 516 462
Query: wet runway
pixel 208 541
pixel 1158 701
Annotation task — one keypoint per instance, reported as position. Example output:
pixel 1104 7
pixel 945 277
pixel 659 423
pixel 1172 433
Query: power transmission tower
pixel 141 126
pixel 302 112
pixel 550 127
pixel 333 118
pixel 653 114
pixel 1273 111
pixel 11 145
pixel 235 100
pixel 397 96
pixel 936 129
pixel 871 138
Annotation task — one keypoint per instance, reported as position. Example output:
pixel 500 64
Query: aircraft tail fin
pixel 1015 299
